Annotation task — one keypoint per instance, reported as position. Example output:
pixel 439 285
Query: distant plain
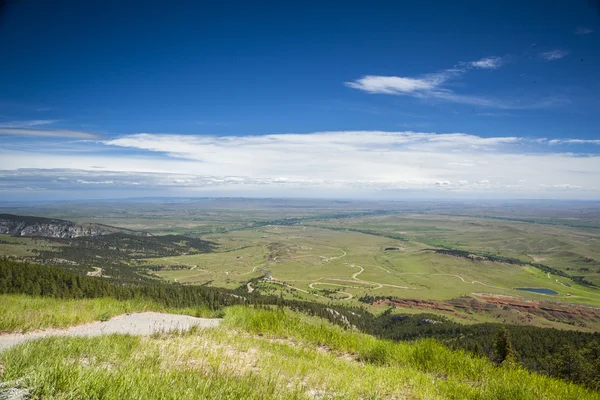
pixel 343 251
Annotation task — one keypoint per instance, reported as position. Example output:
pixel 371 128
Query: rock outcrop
pixel 18 225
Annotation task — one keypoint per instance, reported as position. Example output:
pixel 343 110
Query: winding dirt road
pixel 472 283
pixel 350 296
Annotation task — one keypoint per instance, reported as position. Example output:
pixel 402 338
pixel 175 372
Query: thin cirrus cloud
pixel 47 133
pixel 347 163
pixel 554 54
pixel 28 123
pixel 488 63
pixel 435 87
pixel 574 141
pixel 583 31
pixel 31 128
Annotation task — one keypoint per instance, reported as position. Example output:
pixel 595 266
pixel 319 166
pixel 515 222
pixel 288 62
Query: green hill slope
pixel 266 354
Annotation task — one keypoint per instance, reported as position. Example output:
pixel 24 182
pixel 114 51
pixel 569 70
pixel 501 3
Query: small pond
pixel 537 290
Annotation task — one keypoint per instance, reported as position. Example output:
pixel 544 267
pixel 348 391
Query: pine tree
pixel 569 364
pixel 504 353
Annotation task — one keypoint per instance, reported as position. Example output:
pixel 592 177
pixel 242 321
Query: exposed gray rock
pixel 426 321
pixel 14 394
pixel 18 225
pixel 13 390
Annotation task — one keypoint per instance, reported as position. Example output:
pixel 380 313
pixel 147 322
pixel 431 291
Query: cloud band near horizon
pixel 364 163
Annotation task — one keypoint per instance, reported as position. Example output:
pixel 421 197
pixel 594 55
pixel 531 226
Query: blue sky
pixel 327 99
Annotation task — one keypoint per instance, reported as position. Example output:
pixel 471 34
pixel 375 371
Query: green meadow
pixel 311 258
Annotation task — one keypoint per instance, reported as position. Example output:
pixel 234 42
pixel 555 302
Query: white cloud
pixel 94 182
pixel 554 54
pixel 574 141
pixel 56 133
pixel 392 84
pixel 583 31
pixel 27 124
pixel 435 87
pixel 358 162
pixel 561 186
pixel 404 85
pixel 487 63
pixel 426 87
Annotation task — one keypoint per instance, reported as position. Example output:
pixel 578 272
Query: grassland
pixel 342 251
pixel 20 313
pixel 304 260
pixel 261 354
pixel 573 250
pixel 23 246
pixel 323 261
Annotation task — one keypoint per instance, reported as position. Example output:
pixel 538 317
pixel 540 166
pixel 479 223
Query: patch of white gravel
pixel 145 323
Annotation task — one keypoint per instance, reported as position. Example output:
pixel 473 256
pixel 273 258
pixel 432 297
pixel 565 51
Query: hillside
pixel 19 225
pixel 265 354
pixel 572 356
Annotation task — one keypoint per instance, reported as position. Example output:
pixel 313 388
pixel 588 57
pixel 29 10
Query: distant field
pixel 23 246
pixel 330 251
pixel 319 264
pixel 300 256
pixel 573 250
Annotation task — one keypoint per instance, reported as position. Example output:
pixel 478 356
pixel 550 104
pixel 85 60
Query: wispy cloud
pixel 554 54
pixel 583 31
pixel 392 84
pixel 488 63
pixel 494 114
pixel 28 123
pixel 211 123
pixel 435 87
pixel 55 133
pixel 84 182
pixel 574 141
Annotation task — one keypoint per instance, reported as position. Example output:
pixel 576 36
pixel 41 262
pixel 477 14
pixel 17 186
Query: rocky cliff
pixel 19 225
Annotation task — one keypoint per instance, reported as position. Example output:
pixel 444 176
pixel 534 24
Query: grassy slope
pixel 266 354
pixel 21 313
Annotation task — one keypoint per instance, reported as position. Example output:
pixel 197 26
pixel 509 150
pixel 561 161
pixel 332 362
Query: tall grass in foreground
pixel 117 367
pixel 22 313
pixel 260 354
pixel 460 374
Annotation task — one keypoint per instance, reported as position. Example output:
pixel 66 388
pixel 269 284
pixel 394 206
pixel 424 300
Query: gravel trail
pixel 134 324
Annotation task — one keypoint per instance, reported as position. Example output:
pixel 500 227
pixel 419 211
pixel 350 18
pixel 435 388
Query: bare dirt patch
pixel 134 324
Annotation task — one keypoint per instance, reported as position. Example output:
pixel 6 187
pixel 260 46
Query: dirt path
pixel 379 285
pixel 327 259
pixel 472 283
pixel 133 324
pixel 96 272
pixel 355 276
pixel 278 282
pixel 349 295
pixel 253 270
pixel 355 280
